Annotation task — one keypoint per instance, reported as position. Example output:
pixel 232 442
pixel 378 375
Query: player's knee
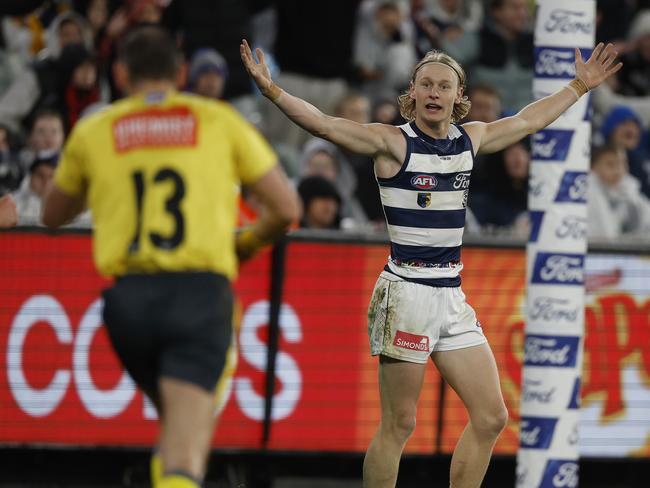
pixel 492 422
pixel 402 424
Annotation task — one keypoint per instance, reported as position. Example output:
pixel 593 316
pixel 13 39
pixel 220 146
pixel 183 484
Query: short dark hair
pixel 150 53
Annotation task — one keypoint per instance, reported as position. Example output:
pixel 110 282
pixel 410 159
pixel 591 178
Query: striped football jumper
pixel 425 204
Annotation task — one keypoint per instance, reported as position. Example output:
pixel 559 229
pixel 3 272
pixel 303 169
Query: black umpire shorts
pixel 176 325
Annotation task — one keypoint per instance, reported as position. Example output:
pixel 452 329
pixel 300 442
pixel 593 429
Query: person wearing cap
pixel 321 203
pixel 623 129
pixel 208 73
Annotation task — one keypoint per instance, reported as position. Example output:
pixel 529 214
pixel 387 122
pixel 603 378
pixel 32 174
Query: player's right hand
pixel 259 71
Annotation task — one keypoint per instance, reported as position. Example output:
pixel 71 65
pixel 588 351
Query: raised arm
pixel 367 139
pixel 502 133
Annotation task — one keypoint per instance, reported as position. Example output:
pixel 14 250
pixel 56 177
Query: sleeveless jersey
pixel 424 205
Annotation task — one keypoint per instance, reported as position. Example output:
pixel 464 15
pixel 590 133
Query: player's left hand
pixel 598 67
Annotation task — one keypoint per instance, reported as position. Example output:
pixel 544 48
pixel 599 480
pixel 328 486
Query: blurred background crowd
pixel 350 58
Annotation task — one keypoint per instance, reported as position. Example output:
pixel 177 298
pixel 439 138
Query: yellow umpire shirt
pixel 160 172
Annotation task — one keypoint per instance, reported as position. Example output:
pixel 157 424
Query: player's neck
pixel 437 130
pixel 149 86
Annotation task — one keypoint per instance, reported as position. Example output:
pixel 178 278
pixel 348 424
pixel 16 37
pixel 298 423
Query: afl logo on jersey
pixel 424 182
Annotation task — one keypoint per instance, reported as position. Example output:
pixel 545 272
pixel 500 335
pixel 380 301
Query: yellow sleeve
pixel 70 174
pixel 254 157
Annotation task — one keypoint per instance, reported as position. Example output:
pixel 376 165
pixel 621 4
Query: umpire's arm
pixel 61 208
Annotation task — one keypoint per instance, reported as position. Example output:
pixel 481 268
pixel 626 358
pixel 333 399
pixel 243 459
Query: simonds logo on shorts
pixel 560 473
pixel 558 269
pixel 551 351
pixel 412 342
pixel 536 432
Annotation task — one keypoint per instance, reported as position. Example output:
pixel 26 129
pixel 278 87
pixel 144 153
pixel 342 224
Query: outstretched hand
pixel 598 67
pixel 258 71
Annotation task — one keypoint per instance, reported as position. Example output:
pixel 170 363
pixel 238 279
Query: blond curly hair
pixel 407 104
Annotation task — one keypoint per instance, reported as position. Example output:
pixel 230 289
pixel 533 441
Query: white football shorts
pixel 409 321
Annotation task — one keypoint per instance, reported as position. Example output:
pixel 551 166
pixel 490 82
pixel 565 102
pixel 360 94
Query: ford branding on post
pixel 552 144
pixel 553 310
pixel 560 473
pixel 559 269
pixel 551 351
pixel 564 21
pixel 554 62
pixel 536 432
pixel 572 227
pixel 573 187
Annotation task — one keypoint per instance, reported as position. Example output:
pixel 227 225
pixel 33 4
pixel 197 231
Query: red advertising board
pixel 61 384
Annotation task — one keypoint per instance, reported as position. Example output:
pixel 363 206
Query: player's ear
pixel 459 94
pixel 121 76
pixel 411 90
pixel 181 76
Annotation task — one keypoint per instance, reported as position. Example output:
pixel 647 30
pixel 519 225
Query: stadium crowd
pixel 350 58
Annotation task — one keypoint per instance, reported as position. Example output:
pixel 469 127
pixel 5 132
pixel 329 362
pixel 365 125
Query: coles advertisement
pixel 60 383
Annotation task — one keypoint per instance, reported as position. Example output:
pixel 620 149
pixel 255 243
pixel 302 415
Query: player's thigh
pixel 472 373
pixel 197 329
pixel 400 383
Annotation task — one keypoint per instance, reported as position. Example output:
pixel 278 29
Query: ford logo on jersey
pixel 568 22
pixel 552 144
pixel 560 473
pixel 424 182
pixel 536 432
pixel 560 269
pixel 551 351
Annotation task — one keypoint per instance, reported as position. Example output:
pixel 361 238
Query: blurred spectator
pixel 98 13
pixel 615 204
pixel 384 52
pixel 501 54
pixel 41 81
pixel 623 129
pixel 501 200
pixel 208 72
pixel 355 106
pixel 77 84
pixel 46 136
pixel 220 25
pixel 386 111
pixel 313 49
pixel 613 21
pixel 67 28
pixel 25 32
pixel 29 198
pixel 486 104
pixel 11 172
pixel 321 203
pixel 129 15
pixel 322 158
pixel 634 76
pixel 448 19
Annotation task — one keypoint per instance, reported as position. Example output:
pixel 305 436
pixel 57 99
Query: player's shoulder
pixel 206 107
